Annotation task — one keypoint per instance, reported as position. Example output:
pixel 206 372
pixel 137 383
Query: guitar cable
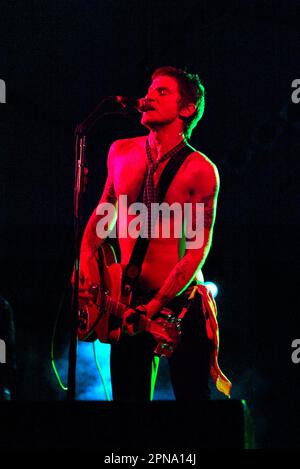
pixel 52 358
pixel 62 386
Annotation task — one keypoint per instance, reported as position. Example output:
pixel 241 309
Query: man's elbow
pixel 201 241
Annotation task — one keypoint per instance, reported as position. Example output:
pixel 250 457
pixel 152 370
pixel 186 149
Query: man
pixel 174 105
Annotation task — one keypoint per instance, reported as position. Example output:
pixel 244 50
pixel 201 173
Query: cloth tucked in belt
pixel 212 329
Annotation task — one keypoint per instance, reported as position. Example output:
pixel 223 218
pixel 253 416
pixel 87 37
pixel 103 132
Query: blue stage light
pixel 212 287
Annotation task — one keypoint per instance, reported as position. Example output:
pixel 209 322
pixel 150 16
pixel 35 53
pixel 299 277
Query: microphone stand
pixel 81 132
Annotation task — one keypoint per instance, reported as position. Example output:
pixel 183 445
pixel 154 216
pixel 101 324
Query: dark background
pixel 58 59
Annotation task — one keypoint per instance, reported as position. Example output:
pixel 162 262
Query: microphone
pixel 140 104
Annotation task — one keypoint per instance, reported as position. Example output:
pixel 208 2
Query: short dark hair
pixel 191 90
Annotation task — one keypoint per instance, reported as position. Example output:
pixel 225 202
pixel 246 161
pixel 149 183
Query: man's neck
pixel 164 139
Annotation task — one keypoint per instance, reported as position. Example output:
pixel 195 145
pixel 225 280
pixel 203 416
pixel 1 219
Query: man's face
pixel 163 99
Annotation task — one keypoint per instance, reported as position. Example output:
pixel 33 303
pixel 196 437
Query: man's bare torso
pixel 129 169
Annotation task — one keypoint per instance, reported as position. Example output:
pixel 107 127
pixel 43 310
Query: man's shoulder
pixel 199 164
pixel 124 148
pixel 124 145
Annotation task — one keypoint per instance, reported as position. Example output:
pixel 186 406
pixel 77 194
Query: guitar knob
pixel 93 290
pixel 82 314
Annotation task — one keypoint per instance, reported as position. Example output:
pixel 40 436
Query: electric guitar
pixel 100 317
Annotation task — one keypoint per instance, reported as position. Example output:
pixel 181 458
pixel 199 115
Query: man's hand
pixel 134 319
pixel 134 322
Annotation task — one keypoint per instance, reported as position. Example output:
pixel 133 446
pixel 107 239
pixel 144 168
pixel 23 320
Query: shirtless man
pixel 176 103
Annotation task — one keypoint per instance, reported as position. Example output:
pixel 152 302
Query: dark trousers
pixel 134 366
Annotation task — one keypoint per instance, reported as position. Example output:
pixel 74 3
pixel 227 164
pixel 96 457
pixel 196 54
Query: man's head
pixel 175 91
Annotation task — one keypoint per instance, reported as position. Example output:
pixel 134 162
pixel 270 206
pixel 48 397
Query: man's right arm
pixel 91 240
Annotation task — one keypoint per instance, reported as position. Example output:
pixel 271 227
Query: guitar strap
pixel 134 265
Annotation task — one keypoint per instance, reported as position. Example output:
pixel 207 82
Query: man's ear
pixel 187 110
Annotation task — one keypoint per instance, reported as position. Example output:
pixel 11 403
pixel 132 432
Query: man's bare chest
pixel 130 175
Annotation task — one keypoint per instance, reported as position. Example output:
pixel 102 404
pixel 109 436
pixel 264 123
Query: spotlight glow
pixel 212 287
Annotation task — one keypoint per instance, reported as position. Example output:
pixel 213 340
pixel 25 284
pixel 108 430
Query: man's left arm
pixel 204 189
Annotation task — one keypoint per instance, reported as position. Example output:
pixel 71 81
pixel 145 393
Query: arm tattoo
pixel 209 211
pixel 186 268
pixel 177 280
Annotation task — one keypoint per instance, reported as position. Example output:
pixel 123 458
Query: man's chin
pixel 148 122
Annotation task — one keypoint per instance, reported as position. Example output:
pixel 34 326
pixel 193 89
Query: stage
pixel 155 426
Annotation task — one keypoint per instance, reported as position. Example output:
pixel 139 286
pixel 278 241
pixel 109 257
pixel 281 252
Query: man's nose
pixel 149 97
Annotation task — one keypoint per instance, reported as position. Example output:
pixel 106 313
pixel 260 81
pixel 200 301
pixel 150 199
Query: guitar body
pixel 100 316
pixel 97 320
